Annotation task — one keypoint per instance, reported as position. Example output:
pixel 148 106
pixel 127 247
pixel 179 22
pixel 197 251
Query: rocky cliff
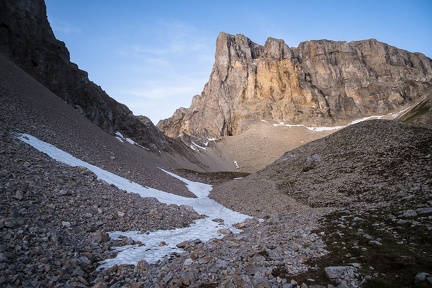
pixel 27 38
pixel 318 83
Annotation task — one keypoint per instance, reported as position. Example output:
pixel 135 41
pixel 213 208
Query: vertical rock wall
pixel 318 83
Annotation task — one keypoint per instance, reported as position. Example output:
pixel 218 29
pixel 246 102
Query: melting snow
pixel 319 129
pixel 204 148
pixel 204 229
pixel 131 141
pixel 121 138
pixel 236 164
pixel 194 145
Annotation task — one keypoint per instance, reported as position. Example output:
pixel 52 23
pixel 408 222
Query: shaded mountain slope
pixel 26 106
pixel 27 38
pixel 54 217
pixel 373 163
pixel 421 113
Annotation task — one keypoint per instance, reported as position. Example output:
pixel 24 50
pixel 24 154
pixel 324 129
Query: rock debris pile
pixel 265 254
pixel 54 218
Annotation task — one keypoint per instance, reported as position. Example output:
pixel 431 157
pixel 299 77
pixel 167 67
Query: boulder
pixel 344 276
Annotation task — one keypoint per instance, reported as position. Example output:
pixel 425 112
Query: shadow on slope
pixel 420 113
pixel 368 164
pixel 26 106
pixel 376 176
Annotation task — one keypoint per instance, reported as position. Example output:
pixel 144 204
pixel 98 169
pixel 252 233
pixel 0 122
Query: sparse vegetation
pixel 390 254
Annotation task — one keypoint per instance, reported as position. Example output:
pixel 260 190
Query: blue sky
pixel 154 56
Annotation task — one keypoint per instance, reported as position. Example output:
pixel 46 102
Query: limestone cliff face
pixel 27 39
pixel 318 83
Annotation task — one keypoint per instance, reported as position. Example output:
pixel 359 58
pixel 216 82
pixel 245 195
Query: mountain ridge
pixel 27 38
pixel 318 83
pixel 361 198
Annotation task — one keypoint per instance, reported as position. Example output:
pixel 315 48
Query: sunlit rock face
pixel 318 83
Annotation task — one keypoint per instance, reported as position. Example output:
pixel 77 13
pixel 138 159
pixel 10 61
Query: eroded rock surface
pixel 318 83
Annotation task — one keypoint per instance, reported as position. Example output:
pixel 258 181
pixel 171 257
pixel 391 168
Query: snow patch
pixel 131 141
pixel 192 147
pixel 121 138
pixel 209 140
pixel 236 164
pixel 328 128
pixel 203 148
pixel 201 190
pixel 204 229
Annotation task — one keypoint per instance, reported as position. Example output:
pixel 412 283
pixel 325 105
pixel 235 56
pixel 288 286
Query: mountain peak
pixel 320 82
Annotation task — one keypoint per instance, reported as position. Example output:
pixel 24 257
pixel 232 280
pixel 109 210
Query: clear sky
pixel 154 56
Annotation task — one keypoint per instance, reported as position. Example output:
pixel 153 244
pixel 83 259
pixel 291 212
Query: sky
pixel 154 56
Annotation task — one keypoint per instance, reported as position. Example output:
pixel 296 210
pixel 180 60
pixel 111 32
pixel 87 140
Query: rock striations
pixel 27 38
pixel 318 83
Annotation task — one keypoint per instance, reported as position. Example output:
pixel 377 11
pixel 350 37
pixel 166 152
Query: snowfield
pixel 203 229
pixel 329 128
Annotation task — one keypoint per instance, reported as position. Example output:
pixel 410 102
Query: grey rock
pixel 3 258
pixel 19 195
pixel 409 213
pixel 188 262
pixel 10 223
pixel 340 272
pixel 224 231
pixel 84 260
pixel 402 222
pixel 421 276
pixel 64 192
pixel 424 211
pixel 374 243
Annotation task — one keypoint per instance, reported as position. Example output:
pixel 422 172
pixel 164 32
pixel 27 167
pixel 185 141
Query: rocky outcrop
pixel 27 38
pixel 318 83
